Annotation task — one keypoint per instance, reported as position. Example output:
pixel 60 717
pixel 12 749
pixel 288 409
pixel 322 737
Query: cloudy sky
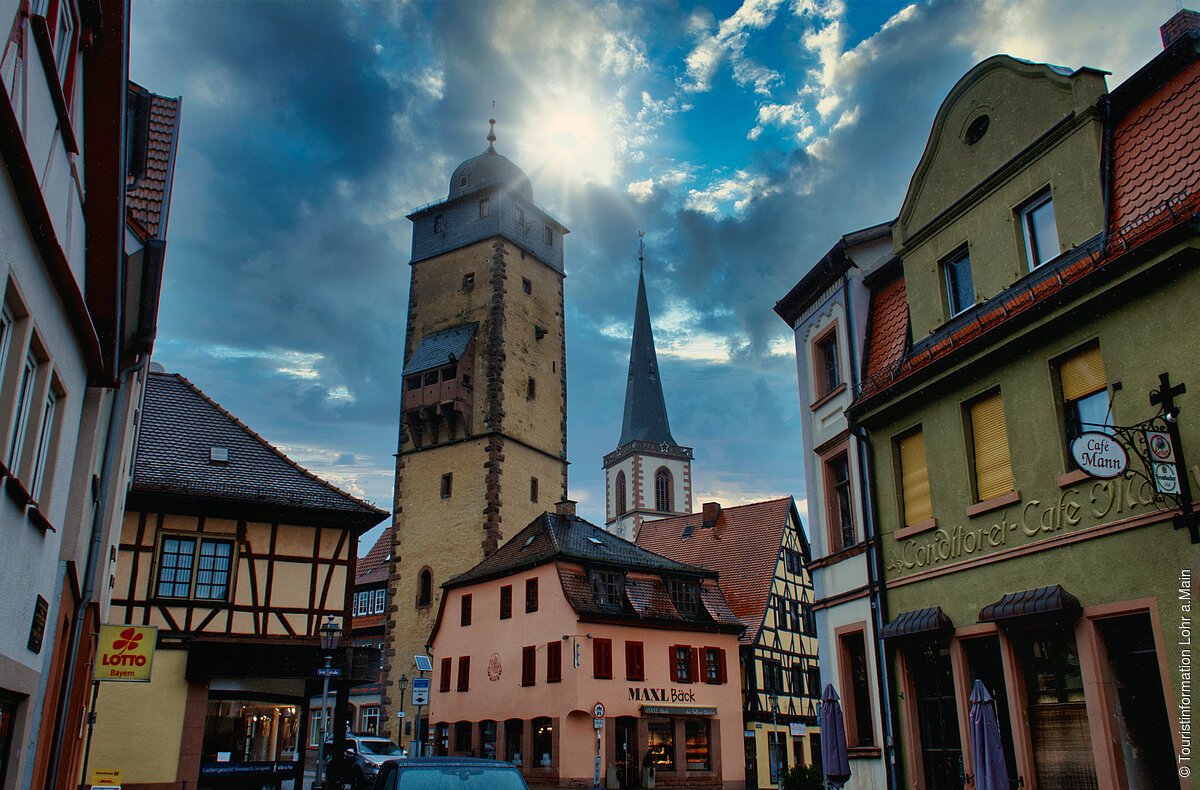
pixel 743 138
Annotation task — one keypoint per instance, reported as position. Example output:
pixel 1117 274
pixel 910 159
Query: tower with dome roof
pixel 483 443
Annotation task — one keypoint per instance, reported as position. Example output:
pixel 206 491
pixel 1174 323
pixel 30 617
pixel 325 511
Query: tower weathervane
pixel 491 138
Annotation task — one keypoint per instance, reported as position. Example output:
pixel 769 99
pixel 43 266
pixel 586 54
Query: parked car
pixel 364 755
pixel 449 773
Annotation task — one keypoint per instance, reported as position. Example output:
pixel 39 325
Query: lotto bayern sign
pixel 1099 454
pixel 125 653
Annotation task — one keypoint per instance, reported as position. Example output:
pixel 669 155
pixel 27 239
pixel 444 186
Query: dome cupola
pixel 489 170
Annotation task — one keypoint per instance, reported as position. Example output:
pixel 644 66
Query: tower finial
pixel 641 250
pixel 491 138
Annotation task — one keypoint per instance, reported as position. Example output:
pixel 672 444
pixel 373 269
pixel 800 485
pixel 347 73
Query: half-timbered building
pixel 761 554
pixel 237 555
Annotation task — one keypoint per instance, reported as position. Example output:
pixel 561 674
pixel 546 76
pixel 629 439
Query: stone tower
pixel 483 423
pixel 649 475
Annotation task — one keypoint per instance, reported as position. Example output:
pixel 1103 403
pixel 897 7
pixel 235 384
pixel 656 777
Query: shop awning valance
pixel 678 710
pixel 916 622
pixel 1043 600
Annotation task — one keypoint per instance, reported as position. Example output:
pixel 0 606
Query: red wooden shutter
pixel 554 661
pixel 724 673
pixel 528 666
pixel 633 661
pixel 671 651
pixel 602 658
pixel 464 673
pixel 444 679
pixel 693 664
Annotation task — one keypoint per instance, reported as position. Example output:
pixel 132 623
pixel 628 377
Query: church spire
pixel 645 409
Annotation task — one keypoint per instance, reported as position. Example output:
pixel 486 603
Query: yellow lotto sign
pixel 125 652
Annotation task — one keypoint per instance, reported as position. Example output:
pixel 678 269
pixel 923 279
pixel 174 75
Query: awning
pixel 1043 600
pixel 679 710
pixel 916 622
pixel 440 348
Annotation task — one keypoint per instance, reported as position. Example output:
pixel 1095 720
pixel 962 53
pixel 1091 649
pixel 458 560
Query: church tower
pixel 649 475
pixel 483 423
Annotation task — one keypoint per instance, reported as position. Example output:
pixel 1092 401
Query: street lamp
pixel 403 684
pixel 773 700
pixel 330 634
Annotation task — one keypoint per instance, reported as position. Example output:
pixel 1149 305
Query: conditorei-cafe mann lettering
pixel 1088 505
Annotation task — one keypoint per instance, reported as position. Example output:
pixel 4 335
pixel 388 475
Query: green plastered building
pixel 1046 277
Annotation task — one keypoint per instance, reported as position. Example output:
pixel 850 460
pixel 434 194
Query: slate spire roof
pixel 645 410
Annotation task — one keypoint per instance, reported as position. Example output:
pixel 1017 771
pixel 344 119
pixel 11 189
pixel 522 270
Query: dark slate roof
pixel 436 350
pixel 489 170
pixel 645 410
pixel 179 427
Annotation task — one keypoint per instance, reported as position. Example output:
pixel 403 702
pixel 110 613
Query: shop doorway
pixel 751 763
pixel 984 663
pixel 629 765
pixel 937 717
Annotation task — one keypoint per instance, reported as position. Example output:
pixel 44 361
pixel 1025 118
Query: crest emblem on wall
pixel 494 668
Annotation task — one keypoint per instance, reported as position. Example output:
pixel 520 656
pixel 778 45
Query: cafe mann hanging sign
pixel 1100 455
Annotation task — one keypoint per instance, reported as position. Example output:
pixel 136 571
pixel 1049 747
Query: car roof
pixel 472 762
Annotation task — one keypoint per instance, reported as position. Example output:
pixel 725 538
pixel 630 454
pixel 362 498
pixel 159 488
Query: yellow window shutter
pixel 993 468
pixel 914 474
pixel 1082 374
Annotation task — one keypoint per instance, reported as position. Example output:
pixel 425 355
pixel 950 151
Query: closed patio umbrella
pixel 834 755
pixel 991 772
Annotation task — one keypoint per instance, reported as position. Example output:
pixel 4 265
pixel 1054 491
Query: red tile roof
pixel 373 566
pixel 147 203
pixel 743 548
pixel 887 327
pixel 1156 148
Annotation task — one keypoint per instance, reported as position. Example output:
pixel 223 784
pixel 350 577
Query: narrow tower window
pixel 662 491
pixel 424 588
pixel 620 494
pixel 447 484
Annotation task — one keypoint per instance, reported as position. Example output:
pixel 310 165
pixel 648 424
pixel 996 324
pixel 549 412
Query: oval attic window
pixel 977 130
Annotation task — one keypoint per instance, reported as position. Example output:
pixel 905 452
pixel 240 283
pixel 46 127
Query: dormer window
pixel 960 289
pixel 439 223
pixel 464 180
pixel 1040 229
pixel 218 456
pixel 608 587
pixel 685 595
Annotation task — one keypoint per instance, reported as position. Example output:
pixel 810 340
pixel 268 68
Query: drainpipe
pixel 94 559
pixel 874 557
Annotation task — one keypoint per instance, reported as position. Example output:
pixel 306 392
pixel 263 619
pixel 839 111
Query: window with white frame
pixel 194 567
pixel 1040 229
pixel 317 719
pixel 46 435
pixel 62 23
pixel 380 599
pixel 960 288
pixel 368 719
pixel 21 414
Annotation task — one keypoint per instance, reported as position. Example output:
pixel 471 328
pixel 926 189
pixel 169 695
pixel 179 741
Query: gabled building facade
pixel 649 475
pixel 762 555
pixel 828 312
pixel 237 556
pixel 1048 254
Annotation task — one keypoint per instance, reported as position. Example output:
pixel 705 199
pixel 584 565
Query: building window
pixel 62 23
pixel 194 568
pixel 839 503
pixel 685 595
pixel 635 662
pixel 21 418
pixel 554 661
pixel 531 595
pixel 543 741
pixel 465 611
pixel 46 435
pixel 697 751
pixel 660 744
pixel 414 383
pixel 620 494
pixel 932 690
pixel 608 588
pixel 424 588
pixel 1040 229
pixel 714 665
pixel 464 673
pixel 960 291
pixel 856 688
pixel 468 281
pixel 989 441
pixel 369 719
pixel 533 489
pixel 914 478
pixel 444 675
pixel 549 236
pixel 772 677
pixel 447 484
pixel 1085 393
pixel 520 217
pixel 462 737
pixel 526 285
pixel 777 754
pixel 484 208
pixel 528 665
pixel 439 224
pixel 506 602
pixel 464 180
pixel 380 601
pixel 663 489
pixel 809 617
pixel 602 658
pixel 531 389
pixel 514 729
pixel 683 664
pixel 317 717
pixel 826 368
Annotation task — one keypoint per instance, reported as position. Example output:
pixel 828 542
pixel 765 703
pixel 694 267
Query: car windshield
pixel 459 778
pixel 379 747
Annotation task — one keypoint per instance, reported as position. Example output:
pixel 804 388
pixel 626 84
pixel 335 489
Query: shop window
pixel 528 665
pixel 1040 230
pixel 465 611
pixel 444 675
pixel 663 490
pixel 1058 721
pixel 777 754
pixel 554 661
pixel 543 741
pixel 506 602
pixel 914 478
pixel 827 372
pixel 660 744
pixel 989 443
pixel 531 595
pixel 620 494
pixel 1085 393
pixel 635 661
pixel 487 739
pixel 602 658
pixel 514 731
pixel 956 274
pixel 684 662
pixel 197 568
pixel 424 588
pixel 316 719
pixel 441 743
pixel 462 737
pixel 839 502
pixel 856 689
pixel 685 595
pixel 937 717
pixel 368 720
pixel 984 663
pixel 696 744
pixel 714 665
pixel 235 726
pixel 464 673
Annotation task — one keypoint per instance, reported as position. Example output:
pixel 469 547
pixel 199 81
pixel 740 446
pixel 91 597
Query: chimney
pixel 711 511
pixel 565 507
pixel 1185 21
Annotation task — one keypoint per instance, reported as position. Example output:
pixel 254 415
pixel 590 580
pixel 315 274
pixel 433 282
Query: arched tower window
pixel 663 489
pixel 425 587
pixel 620 486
